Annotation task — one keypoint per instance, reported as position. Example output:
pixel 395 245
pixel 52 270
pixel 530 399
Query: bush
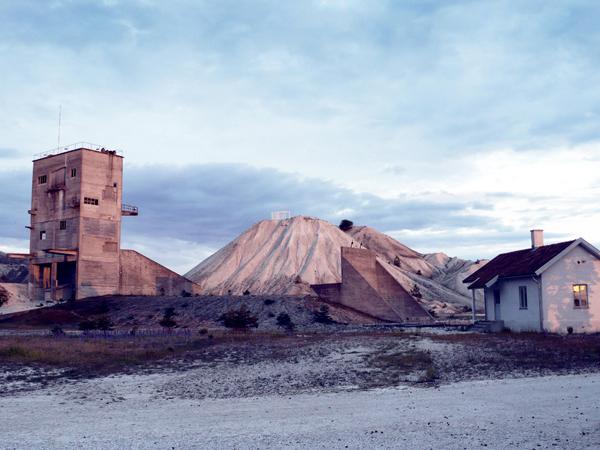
pixel 269 301
pixel 57 331
pixel 185 293
pixel 346 225
pixel 416 292
pixel 104 323
pixel 87 325
pixel 167 321
pixel 239 319
pixel 3 296
pixel 397 261
pixel 322 315
pixel 246 292
pixel 284 321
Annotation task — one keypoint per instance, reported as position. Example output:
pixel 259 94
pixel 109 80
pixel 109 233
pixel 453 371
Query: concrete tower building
pixel 75 244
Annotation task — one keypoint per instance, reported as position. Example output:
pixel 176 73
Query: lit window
pixel 42 179
pixel 523 297
pixel 42 235
pixel 580 296
pixel 63 225
pixel 73 173
pixel 90 201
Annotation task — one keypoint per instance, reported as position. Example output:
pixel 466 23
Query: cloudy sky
pixel 452 126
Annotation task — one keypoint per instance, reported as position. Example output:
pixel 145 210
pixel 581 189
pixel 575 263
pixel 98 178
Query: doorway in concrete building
pixel 66 278
pixel 497 315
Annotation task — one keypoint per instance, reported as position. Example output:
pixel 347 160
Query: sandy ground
pixel 130 412
pixel 18 298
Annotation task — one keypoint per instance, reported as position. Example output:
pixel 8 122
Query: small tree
pixel 104 323
pixel 167 320
pixel 284 320
pixel 246 292
pixel 3 296
pixel 346 225
pixel 87 325
pixel 240 319
pixel 416 292
pixel 322 315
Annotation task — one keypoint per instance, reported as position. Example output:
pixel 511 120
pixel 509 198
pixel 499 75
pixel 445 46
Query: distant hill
pixel 285 257
pixel 12 270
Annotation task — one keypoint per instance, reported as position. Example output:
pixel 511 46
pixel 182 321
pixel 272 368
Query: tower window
pixel 90 201
pixel 63 225
pixel 42 179
pixel 42 235
pixel 73 172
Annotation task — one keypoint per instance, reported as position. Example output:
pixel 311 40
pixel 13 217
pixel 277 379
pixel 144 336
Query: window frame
pixel 62 225
pixel 578 301
pixel 43 235
pixel 523 298
pixel 73 172
pixel 42 179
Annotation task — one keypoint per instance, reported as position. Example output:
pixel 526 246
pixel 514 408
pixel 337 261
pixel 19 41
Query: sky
pixel 453 126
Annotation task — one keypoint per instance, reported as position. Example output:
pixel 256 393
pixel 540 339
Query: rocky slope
pixel 12 270
pixel 285 257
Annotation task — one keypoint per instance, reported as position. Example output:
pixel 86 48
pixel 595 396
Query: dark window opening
pixel 73 173
pixel 63 225
pixel 90 201
pixel 42 235
pixel 42 179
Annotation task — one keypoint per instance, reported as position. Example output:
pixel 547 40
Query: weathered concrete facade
pixel 75 241
pixel 368 287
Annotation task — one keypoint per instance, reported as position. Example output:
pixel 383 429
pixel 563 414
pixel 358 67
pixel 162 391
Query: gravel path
pixel 130 412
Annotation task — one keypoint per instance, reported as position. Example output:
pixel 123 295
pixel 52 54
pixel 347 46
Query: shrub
pixel 246 292
pixel 104 323
pixel 3 296
pixel 57 331
pixel 269 301
pixel 346 225
pixel 87 325
pixel 185 293
pixel 284 320
pixel 202 331
pixel 397 261
pixel 322 315
pixel 239 319
pixel 416 292
pixel 167 320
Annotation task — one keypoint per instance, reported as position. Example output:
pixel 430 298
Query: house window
pixel 73 173
pixel 90 201
pixel 42 235
pixel 522 297
pixel 580 296
pixel 42 179
pixel 63 225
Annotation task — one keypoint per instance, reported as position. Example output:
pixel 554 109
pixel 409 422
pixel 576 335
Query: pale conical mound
pixel 275 257
pixel 285 257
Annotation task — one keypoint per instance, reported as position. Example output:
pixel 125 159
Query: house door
pixel 497 315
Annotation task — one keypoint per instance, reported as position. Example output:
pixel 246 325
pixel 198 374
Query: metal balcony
pixel 129 210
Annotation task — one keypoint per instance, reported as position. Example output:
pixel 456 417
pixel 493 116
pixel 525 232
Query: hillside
pixel 286 257
pixel 12 270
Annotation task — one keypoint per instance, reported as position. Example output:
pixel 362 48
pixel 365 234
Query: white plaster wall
pixel 515 318
pixel 557 282
pixel 489 304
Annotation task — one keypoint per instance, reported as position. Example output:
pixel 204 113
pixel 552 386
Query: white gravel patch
pixel 126 412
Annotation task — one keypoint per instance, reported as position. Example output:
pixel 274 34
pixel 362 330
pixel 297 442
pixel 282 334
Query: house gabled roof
pixel 522 263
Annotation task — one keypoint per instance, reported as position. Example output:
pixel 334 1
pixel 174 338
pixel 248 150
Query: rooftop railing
pixel 75 146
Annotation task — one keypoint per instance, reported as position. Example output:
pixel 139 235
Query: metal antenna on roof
pixel 59 120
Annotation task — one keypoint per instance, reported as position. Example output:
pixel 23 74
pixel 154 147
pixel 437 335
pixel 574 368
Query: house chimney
pixel 537 238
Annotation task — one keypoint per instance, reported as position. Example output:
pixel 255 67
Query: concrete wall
pixel 368 287
pixel 577 267
pixel 514 317
pixel 142 276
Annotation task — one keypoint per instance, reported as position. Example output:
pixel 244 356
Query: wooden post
pixel 473 305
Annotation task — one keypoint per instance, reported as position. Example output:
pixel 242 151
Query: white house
pixel 552 287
